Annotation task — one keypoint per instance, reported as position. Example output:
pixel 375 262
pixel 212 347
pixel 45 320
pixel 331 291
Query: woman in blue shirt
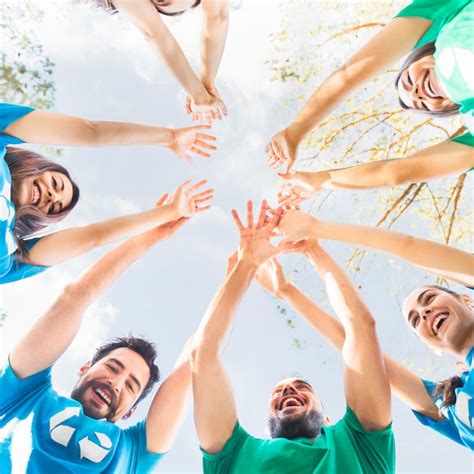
pixel 436 79
pixel 36 192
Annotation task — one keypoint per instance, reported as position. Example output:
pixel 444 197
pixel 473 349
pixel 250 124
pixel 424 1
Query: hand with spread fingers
pixel 296 187
pixel 190 139
pixel 282 150
pixel 188 202
pixel 271 277
pixel 254 242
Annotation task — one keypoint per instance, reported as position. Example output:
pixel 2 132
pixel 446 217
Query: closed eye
pixel 414 321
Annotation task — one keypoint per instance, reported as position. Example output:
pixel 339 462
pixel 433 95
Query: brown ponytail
pixel 447 388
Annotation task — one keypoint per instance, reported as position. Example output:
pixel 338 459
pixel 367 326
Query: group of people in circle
pixel 77 433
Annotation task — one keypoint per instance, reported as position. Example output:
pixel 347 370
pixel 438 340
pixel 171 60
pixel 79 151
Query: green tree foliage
pixel 26 73
pixel 313 40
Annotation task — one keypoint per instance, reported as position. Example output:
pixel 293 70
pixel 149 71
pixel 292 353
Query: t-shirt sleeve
pixel 444 427
pixel 466 139
pixel 12 269
pixel 222 462
pixel 15 392
pixel 10 113
pixel 376 448
pixel 142 461
pixel 428 9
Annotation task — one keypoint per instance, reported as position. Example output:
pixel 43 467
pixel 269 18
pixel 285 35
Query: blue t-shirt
pixel 11 269
pixel 459 422
pixel 44 432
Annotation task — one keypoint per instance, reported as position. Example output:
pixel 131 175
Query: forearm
pixel 215 327
pixel 343 297
pixel 213 39
pixel 329 328
pixel 171 54
pixel 69 243
pixel 438 258
pixel 428 164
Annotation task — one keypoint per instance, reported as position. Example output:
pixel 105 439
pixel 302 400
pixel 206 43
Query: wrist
pixel 295 133
pixel 286 292
pixel 167 137
pixel 248 264
pixel 202 96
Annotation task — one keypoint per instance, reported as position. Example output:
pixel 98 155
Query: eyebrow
pixel 120 364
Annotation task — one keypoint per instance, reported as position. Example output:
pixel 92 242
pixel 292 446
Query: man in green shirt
pixel 302 440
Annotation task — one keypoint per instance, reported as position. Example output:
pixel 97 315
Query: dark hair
pixel 141 346
pixel 108 5
pixel 306 425
pixel 427 49
pixel 447 388
pixel 24 164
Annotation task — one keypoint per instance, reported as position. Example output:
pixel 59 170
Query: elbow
pixel 92 132
pixel 202 354
pixel 391 174
pixel 219 17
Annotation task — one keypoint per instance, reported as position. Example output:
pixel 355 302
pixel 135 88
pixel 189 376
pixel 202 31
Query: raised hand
pixel 296 187
pixel 282 150
pixel 207 110
pixel 188 202
pixel 270 275
pixel 190 139
pixel 295 226
pixel 254 242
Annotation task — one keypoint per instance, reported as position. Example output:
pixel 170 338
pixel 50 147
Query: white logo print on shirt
pixel 62 434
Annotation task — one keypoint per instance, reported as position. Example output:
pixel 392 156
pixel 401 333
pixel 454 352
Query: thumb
pixel 290 165
pixel 286 176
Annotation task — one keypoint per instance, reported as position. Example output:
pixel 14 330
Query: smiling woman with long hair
pixel 436 79
pixel 36 192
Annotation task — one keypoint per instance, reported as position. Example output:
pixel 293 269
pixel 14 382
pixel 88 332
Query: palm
pixel 281 150
pixel 190 139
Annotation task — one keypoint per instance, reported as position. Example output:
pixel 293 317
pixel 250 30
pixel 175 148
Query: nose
pixel 288 389
pixel 53 196
pixel 425 313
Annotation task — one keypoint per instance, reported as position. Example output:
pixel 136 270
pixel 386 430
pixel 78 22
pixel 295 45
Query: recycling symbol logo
pixel 62 434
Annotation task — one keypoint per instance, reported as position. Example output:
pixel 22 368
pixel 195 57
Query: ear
pixel 84 368
pixel 467 300
pixel 129 413
pixel 326 421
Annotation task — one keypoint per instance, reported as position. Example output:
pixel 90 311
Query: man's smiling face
pixel 109 388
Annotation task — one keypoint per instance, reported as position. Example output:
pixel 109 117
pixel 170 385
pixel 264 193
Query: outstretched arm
pixel 405 384
pixel 52 334
pixel 49 128
pixel 431 163
pixel 169 405
pixel 385 48
pixel 69 243
pixel 215 412
pixel 441 259
pixel 366 381
pixel 213 38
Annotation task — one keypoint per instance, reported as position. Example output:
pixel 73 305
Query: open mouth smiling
pixel 36 195
pixel 290 401
pixel 438 322
pixel 103 395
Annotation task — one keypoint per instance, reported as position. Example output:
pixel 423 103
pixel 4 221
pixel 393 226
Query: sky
pixel 104 70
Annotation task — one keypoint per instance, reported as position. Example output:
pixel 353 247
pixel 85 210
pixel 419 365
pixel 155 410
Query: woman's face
pixel 50 192
pixel 175 6
pixel 441 320
pixel 420 89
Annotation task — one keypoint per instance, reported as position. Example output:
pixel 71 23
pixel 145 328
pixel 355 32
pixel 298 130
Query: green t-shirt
pixel 452 30
pixel 342 448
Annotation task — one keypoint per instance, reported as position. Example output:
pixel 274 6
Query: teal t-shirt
pixel 452 31
pixel 11 269
pixel 44 432
pixel 340 449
